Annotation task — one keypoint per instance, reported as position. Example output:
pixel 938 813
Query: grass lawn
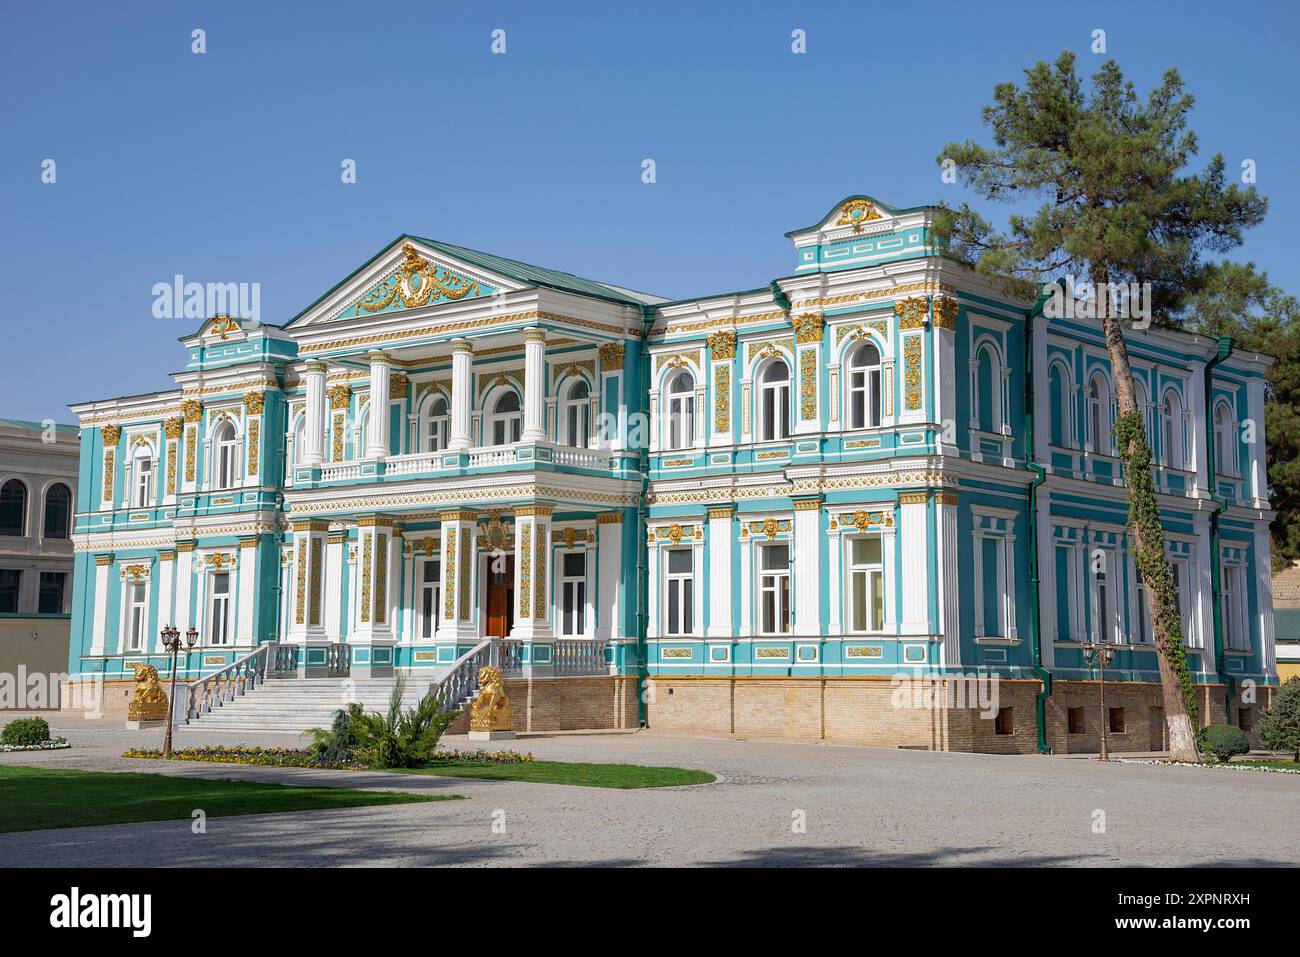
pixel 1283 763
pixel 33 799
pixel 564 772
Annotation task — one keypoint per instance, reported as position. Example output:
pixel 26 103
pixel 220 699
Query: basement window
pixel 1116 720
pixel 1004 723
pixel 1074 719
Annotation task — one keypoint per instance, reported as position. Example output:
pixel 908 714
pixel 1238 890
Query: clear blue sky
pixel 225 167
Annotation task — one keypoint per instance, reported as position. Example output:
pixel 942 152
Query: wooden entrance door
pixel 500 595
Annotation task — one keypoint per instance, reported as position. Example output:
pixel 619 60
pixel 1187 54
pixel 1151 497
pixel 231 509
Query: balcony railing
pixel 489 456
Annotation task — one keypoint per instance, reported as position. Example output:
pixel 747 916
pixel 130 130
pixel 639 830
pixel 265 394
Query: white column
pixel 103 563
pixel 247 590
pixel 534 385
pixel 721 535
pixel 916 580
pixel 462 357
pixel 949 581
pixel 807 567
pixel 1262 614
pixel 377 433
pixel 314 434
pixel 609 558
pixel 184 582
pixel 166 577
pixel 334 561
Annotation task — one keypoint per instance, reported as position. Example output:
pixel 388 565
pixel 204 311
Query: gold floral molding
pixel 856 213
pixel 808 328
pixel 415 283
pixel 173 427
pixel 222 325
pixel 859 331
pixel 398 384
pixel 722 345
pixel 339 396
pixel 254 402
pixel 677 360
pixel 910 312
pixel 611 354
pixel 192 410
pixel 676 532
pixel 945 312
pixel 111 434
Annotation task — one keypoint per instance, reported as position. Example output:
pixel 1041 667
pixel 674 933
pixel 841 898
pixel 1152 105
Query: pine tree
pixel 1279 726
pixel 1116 206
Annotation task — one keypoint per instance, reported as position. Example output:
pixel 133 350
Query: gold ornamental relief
pixel 857 213
pixel 722 345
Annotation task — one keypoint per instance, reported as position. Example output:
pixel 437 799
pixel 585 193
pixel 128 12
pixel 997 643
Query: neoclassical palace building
pixel 765 504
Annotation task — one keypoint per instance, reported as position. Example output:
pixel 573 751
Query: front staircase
pixel 261 691
pixel 305 703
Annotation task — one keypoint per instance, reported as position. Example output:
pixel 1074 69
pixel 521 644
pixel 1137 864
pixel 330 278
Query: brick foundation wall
pixel 863 711
pixel 567 704
pixel 78 697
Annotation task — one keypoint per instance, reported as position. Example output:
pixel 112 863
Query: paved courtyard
pixel 860 806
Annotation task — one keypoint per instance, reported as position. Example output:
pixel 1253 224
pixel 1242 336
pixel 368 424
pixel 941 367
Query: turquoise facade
pixel 830 474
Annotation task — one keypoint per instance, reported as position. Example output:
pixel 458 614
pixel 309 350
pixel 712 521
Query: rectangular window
pixel 1004 723
pixel 219 631
pixel 774 590
pixel 1104 627
pixel 10 579
pixel 1065 630
pixel 1234 628
pixel 681 592
pixel 53 586
pixel 137 610
pixel 1116 720
pixel 1182 581
pixel 1144 632
pixel 1074 717
pixel 430 592
pixel 143 481
pixel 866 585
pixel 573 593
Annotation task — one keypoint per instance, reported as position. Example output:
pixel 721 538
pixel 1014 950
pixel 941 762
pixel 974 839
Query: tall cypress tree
pixel 1116 205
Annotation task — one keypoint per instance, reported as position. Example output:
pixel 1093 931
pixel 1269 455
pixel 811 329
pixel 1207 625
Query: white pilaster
pixel 314 434
pixel 609 558
pixel 1195 436
pixel 103 564
pixel 532 572
pixel 247 590
pixel 916 581
pixel 374 551
pixel 307 619
pixel 377 433
pixel 721 536
pixel 335 559
pixel 807 567
pixel 1255 472
pixel 456 618
pixel 184 584
pixel 166 582
pixel 949 581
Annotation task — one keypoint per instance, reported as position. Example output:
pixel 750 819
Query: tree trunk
pixel 1147 542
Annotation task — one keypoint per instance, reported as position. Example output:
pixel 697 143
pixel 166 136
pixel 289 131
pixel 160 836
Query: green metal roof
pixel 525 273
pixel 39 427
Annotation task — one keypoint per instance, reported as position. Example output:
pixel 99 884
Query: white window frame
pixel 771 591
pixel 575 415
pixel 575 586
pixel 1100 426
pixel 225 456
pixel 132 643
pixel 1105 610
pixel 428 620
pixel 678 427
pixel 511 423
pixel 774 418
pixel 864 379
pixel 142 478
pixel 866 570
pixel 434 435
pixel 212 599
pixel 1171 432
pixel 1225 448
pixel 684 584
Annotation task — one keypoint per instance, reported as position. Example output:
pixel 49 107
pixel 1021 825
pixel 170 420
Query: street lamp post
pixel 171 639
pixel 1103 653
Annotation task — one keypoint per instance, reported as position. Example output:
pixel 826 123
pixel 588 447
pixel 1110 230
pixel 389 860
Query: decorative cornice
pixel 609 518
pixel 459 515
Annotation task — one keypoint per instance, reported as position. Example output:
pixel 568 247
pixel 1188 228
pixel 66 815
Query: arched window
pixel 225 450
pixel 58 511
pixel 575 415
pixel 142 477
pixel 864 387
pixel 1099 414
pixel 506 421
pixel 1171 432
pixel 988 390
pixel 435 426
pixel 774 401
pixel 680 431
pixel 1225 448
pixel 1058 387
pixel 13 508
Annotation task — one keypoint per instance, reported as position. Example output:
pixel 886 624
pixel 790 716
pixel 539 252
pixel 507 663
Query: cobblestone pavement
pixel 861 806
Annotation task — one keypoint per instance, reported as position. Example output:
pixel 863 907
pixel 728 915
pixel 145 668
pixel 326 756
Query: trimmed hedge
pixel 25 732
pixel 1224 741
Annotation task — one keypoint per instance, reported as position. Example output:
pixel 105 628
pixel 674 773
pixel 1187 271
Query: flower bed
pixel 301 758
pixel 52 744
pixel 1229 765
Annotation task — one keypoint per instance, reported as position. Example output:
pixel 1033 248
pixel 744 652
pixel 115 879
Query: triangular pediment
pixel 405 276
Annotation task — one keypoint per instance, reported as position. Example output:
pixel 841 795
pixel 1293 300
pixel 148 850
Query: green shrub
pixel 401 740
pixel 339 743
pixel 24 732
pixel 1279 726
pixel 1224 741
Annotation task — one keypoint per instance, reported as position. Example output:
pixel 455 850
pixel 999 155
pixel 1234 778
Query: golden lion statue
pixel 491 710
pixel 150 701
